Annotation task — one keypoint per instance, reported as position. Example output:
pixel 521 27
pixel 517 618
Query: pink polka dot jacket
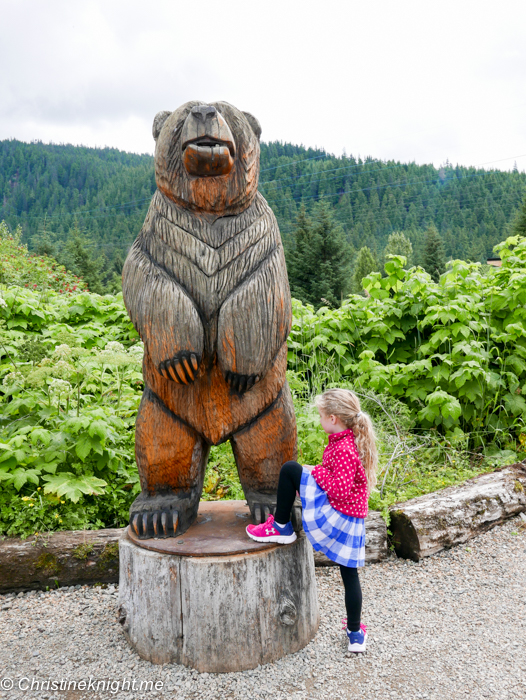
pixel 342 476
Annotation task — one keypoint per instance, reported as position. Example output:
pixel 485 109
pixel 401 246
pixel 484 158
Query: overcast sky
pixel 422 80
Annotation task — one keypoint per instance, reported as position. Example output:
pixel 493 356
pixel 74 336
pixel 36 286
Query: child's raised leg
pixel 278 527
pixel 288 485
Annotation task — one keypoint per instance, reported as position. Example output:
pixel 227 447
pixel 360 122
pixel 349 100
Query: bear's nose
pixel 203 112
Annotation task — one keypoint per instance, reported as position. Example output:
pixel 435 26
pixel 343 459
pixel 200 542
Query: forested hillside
pixel 47 188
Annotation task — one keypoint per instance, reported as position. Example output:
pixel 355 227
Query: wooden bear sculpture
pixel 206 287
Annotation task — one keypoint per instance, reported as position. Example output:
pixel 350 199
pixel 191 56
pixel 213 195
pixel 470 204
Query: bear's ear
pixel 158 122
pixel 256 126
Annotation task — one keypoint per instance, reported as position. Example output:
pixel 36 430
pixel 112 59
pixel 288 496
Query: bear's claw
pixel 181 368
pixel 239 383
pixel 158 523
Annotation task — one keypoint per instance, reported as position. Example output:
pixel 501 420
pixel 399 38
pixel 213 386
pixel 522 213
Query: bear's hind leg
pixel 171 458
pixel 260 450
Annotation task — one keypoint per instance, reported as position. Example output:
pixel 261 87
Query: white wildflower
pixel 114 346
pixel 63 350
pixel 38 377
pixel 59 386
pixel 136 350
pixel 63 369
pixel 13 378
pixel 3 303
pixel 136 353
pixel 115 355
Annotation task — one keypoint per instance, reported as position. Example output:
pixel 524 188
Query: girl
pixel 334 497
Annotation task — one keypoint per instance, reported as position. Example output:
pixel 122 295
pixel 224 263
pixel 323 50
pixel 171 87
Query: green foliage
pixel 221 479
pixel 441 367
pixel 519 225
pixel 469 207
pixel 364 264
pixel 76 257
pixel 70 382
pixel 454 352
pixel 47 188
pixel 18 267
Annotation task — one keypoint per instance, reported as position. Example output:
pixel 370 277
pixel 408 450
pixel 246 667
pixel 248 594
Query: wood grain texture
pixel 210 406
pixel 263 446
pixel 427 524
pixel 160 466
pixel 218 614
pixel 205 284
pixel 69 558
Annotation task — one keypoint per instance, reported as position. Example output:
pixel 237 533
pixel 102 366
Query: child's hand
pixel 308 467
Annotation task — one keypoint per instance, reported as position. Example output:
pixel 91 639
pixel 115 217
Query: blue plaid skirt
pixel 340 537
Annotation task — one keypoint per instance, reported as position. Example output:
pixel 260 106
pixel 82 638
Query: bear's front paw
pixel 239 383
pixel 181 368
pixel 158 523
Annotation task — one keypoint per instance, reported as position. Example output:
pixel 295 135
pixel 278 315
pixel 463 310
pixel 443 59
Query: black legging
pixel 288 485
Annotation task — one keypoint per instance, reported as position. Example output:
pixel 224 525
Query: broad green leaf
pixel 515 404
pixel 72 487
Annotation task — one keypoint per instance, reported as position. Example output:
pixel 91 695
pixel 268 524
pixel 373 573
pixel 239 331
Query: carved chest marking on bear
pixel 210 262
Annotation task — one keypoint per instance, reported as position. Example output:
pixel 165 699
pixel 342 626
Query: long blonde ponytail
pixel 345 405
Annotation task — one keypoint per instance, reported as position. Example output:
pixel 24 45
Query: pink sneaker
pixel 270 532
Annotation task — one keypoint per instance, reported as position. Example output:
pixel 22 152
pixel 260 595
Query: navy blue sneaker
pixel 357 639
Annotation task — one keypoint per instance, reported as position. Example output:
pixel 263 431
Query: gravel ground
pixel 452 626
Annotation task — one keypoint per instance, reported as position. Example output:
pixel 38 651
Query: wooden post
pixel 247 605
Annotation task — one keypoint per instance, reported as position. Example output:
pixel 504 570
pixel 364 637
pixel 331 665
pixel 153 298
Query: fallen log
pixel 375 542
pixel 55 559
pixel 452 516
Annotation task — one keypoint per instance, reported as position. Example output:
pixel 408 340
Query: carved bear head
pixel 207 157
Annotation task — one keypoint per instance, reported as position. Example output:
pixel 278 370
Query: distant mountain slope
pixel 470 207
pixel 108 191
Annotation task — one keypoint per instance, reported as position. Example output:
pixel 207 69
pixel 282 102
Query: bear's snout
pixel 207 143
pixel 203 112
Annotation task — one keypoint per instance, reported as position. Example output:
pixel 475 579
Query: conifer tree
pixel 318 265
pixel 398 244
pixel 364 264
pixel 434 259
pixel 75 256
pixel 298 257
pixel 519 225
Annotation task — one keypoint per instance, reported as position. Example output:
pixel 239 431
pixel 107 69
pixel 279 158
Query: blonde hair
pixel 345 405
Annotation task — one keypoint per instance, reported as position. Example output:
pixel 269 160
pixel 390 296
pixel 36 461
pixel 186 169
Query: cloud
pixel 407 80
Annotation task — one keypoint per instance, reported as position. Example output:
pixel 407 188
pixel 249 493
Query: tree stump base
pixel 214 600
